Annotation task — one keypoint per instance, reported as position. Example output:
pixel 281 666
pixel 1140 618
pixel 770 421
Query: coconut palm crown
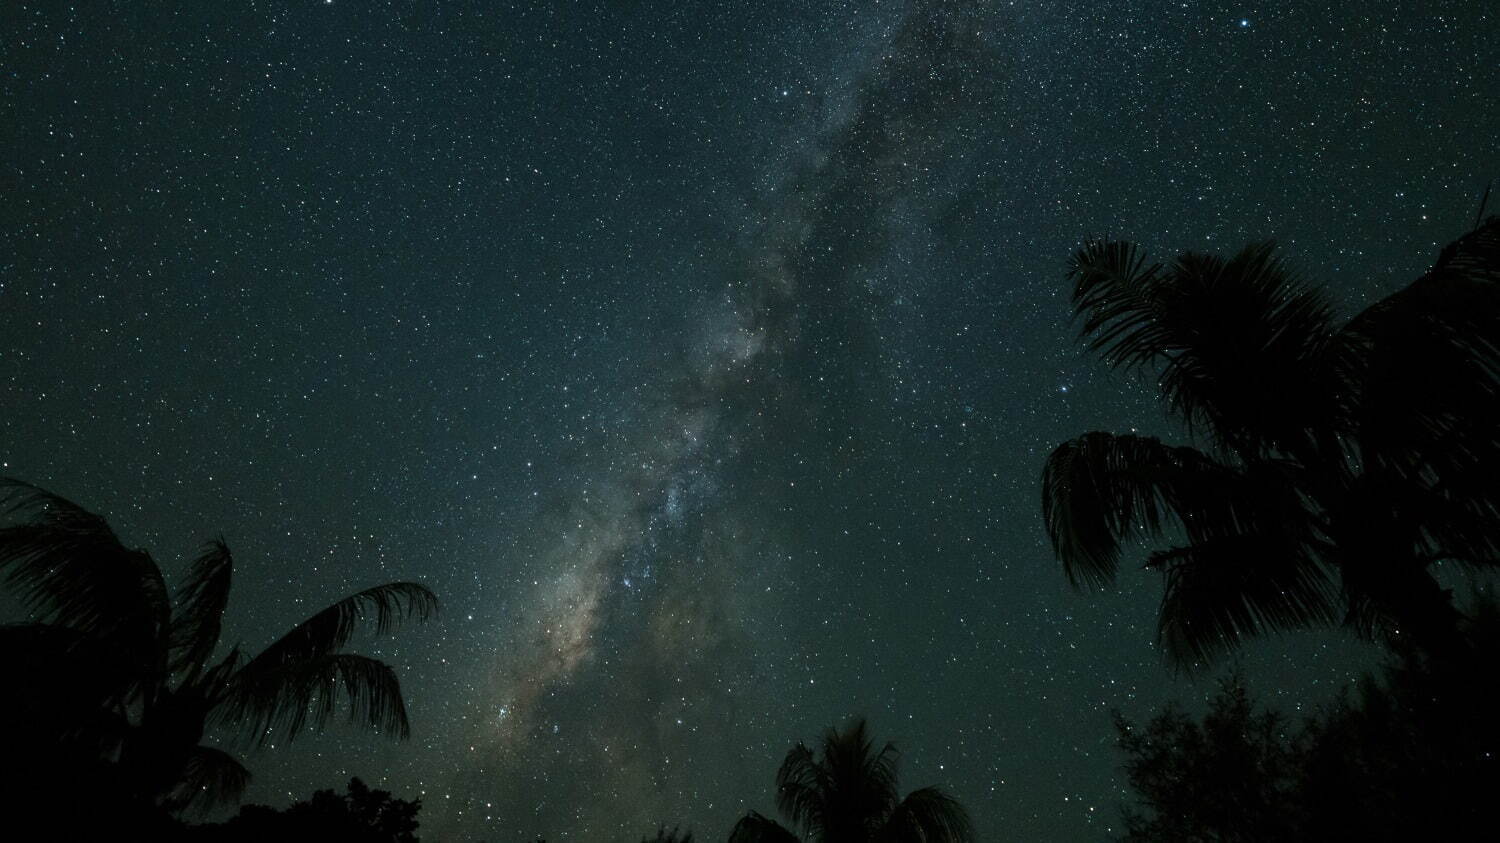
pixel 1334 465
pixel 111 658
pixel 847 793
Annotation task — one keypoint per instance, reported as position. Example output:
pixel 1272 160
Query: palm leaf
pixel 69 568
pixel 1429 371
pixel 1254 351
pixel 1384 535
pixel 1241 347
pixel 1102 489
pixel 1371 450
pixel 1474 255
pixel 1220 591
pixel 217 679
pixel 210 777
pixel 801 788
pixel 1458 522
pixel 928 815
pixel 864 781
pixel 201 601
pixel 1112 292
pixel 279 702
pixel 1407 606
pixel 329 630
pixel 754 828
pixel 846 791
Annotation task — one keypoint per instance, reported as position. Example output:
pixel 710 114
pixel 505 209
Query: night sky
pixel 702 357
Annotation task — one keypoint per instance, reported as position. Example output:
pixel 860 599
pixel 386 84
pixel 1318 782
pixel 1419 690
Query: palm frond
pixel 1409 607
pixel 1252 350
pixel 280 701
pixel 216 681
pixel 1387 513
pixel 855 786
pixel 69 568
pixel 1474 255
pixel 1112 287
pixel 210 778
pixel 1370 451
pixel 754 828
pixel 1459 524
pixel 1241 346
pixel 866 780
pixel 329 630
pixel 802 784
pixel 1384 533
pixel 929 815
pixel 201 601
pixel 1102 489
pixel 1429 369
pixel 1220 591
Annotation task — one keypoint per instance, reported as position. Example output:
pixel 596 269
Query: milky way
pixel 702 357
pixel 634 611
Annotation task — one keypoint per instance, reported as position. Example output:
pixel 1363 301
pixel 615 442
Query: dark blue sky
pixel 702 357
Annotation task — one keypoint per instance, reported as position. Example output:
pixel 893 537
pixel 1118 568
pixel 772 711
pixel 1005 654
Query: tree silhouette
pixel 1231 777
pixel 1411 755
pixel 360 816
pixel 1339 463
pixel 121 676
pixel 847 793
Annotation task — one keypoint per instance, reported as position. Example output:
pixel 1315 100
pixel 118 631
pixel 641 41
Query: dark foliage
pixel 117 677
pixel 360 816
pixel 1339 463
pixel 1231 776
pixel 847 793
pixel 1413 755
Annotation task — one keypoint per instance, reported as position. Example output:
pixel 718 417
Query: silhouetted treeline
pixel 360 816
pixel 1411 755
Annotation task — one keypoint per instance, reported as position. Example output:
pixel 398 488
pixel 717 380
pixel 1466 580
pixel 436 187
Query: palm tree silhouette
pixel 112 663
pixel 847 794
pixel 1340 463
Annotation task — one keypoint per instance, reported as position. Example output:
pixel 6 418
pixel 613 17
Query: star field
pixel 701 357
